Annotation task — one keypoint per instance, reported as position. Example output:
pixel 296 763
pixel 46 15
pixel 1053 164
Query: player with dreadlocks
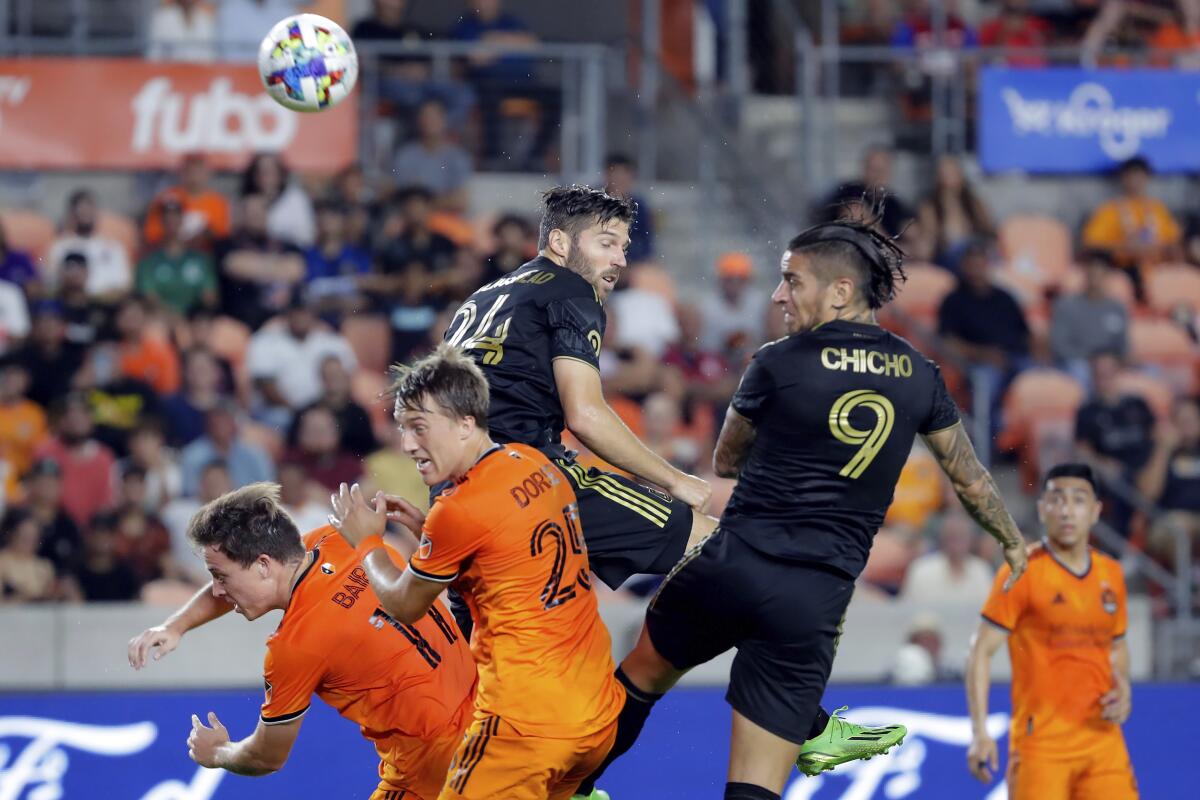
pixel 816 435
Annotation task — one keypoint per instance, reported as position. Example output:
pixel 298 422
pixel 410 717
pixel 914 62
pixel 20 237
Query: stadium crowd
pixel 223 337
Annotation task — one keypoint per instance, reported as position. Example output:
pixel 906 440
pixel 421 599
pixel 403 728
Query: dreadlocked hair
pixel 855 241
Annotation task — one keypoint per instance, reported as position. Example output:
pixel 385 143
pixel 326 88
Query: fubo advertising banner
pixel 1079 120
pixel 133 114
pixel 132 746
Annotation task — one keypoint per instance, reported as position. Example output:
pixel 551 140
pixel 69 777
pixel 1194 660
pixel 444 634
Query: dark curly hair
pixel 857 244
pixel 574 208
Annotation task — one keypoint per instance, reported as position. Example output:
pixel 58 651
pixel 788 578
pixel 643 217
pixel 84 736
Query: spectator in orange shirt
pixel 205 210
pixel 1179 37
pixel 22 427
pixel 143 356
pixel 1137 229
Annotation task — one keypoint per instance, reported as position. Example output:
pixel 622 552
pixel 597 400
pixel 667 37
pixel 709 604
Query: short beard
pixel 578 264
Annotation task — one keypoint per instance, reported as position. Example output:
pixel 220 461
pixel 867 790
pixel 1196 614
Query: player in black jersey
pixel 816 434
pixel 536 335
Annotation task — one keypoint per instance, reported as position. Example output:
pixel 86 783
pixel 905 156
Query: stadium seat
pixel 27 230
pixel 1039 411
pixel 653 278
pixel 370 336
pixel 921 295
pixel 264 436
pixel 1172 285
pixel 1156 392
pixel 1166 345
pixel 120 229
pixel 229 339
pixel 1037 248
pixel 368 388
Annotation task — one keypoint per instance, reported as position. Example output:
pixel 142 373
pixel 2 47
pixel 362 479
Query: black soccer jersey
pixel 514 328
pixel 835 411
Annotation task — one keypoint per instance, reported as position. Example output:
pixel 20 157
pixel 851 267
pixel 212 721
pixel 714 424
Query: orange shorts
pixel 495 761
pixel 415 769
pixel 1103 772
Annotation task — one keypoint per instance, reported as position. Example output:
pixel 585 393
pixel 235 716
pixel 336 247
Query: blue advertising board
pixel 1087 120
pixel 132 746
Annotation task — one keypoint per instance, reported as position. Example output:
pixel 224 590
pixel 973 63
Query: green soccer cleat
pixel 843 741
pixel 597 794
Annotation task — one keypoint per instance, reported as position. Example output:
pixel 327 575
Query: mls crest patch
pixel 1108 600
pixel 425 550
pixel 267 691
pixel 328 568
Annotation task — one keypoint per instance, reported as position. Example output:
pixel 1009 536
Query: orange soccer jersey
pixel 1062 627
pixel 409 687
pixel 508 536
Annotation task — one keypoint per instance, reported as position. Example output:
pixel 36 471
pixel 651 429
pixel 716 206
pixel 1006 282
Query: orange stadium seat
pixel 1038 248
pixel 370 336
pixel 120 229
pixel 369 388
pixel 1156 392
pixel 1039 414
pixel 1164 344
pixel 1173 285
pixel 264 436
pixel 653 278
pixel 921 295
pixel 27 230
pixel 229 339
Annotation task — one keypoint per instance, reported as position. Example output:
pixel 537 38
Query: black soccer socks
pixel 748 791
pixel 629 726
pixel 819 723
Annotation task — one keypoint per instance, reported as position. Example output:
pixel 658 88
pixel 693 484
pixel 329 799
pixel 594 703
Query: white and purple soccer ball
pixel 307 63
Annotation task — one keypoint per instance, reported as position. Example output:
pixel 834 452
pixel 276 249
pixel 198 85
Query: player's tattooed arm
pixel 974 485
pixel 733 445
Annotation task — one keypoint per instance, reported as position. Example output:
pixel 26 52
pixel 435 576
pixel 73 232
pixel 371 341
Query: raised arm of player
pixel 261 753
pixel 591 419
pixel 983 758
pixel 978 493
pixel 162 639
pixel 733 445
pixel 405 596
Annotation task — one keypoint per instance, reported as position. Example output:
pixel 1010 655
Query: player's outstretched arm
pixel 978 493
pixel 983 757
pixel 591 419
pixel 733 445
pixel 261 753
pixel 404 596
pixel 154 643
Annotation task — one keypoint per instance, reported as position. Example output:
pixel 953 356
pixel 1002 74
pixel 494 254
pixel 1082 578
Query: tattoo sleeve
pixel 733 445
pixel 973 484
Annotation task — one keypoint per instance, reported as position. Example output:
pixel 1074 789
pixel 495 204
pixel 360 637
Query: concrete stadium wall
pixel 84 647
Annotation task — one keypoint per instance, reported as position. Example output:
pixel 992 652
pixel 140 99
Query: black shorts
pixel 783 617
pixel 629 528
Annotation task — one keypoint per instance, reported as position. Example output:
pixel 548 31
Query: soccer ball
pixel 307 63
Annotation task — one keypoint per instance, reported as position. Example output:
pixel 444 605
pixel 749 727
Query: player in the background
pixel 409 686
pixel 1065 627
pixel 816 434
pixel 507 535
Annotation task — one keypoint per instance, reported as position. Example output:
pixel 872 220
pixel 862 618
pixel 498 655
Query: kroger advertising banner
pixel 132 746
pixel 133 114
pixel 1078 120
